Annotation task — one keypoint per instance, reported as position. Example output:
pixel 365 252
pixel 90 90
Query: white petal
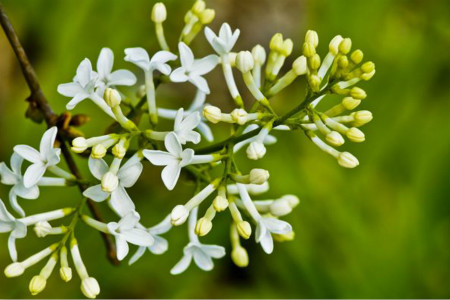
pixel 182 265
pixel 129 174
pixel 277 226
pixel 233 39
pixel 47 142
pixel 172 144
pixel 138 237
pixel 105 62
pixel 70 89
pixel 186 56
pixel 26 193
pixel 162 57
pixel 205 131
pixel 210 35
pixel 186 157
pixel 12 248
pixel 162 227
pixel 138 56
pixel 129 221
pixel 84 72
pixel 33 173
pixel 28 153
pixel 98 167
pixel 159 158
pixel 5 216
pixel 267 243
pixel 192 120
pixel 7 176
pixel 122 77
pixel 163 68
pixel 193 137
pixel 159 246
pixel 203 261
pixel 16 163
pixel 120 202
pixel 95 193
pixel 225 32
pixel 122 248
pixel 179 75
pixel 200 83
pixel 170 175
pixel 177 124
pixel 15 204
pixel 140 251
pixel 75 100
pixel 260 231
pixel 214 251
pixel 205 65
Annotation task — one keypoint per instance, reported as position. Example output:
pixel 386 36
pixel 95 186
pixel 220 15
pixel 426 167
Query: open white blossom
pixel 192 69
pixel 127 176
pixel 140 58
pixel 46 157
pixel 184 127
pixel 126 231
pixel 10 224
pixel 112 78
pixel 224 42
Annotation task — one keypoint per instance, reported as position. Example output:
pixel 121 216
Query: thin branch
pixel 37 96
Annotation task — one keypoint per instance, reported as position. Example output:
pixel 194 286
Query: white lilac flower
pixel 126 231
pixel 224 42
pixel 201 253
pixel 192 69
pixel 140 57
pixel 106 76
pixel 84 86
pixel 160 244
pixel 10 224
pixel 46 157
pixel 126 177
pixel 184 127
pixel 174 159
pixel 265 226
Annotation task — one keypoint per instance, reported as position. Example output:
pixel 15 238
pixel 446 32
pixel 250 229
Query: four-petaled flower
pixel 184 126
pixel 140 58
pixel 46 157
pixel 106 76
pixel 10 224
pixel 125 231
pixel 126 177
pixel 202 255
pixel 264 229
pixel 14 177
pixel 192 69
pixel 223 43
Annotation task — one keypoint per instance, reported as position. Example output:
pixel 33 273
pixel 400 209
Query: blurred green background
pixel 378 231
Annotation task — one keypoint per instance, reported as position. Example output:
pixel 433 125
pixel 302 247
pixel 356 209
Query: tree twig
pixel 38 98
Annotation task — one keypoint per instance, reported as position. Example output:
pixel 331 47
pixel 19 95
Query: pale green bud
pixel 284 237
pixel 357 56
pixel 335 138
pixel 244 229
pixel 239 116
pixel 212 114
pixel 367 76
pixel 90 287
pixel 368 67
pixel 258 176
pixel 37 284
pixel 244 61
pixel 14 270
pixel 198 7
pixel 288 45
pixel 334 45
pixel 65 273
pixel 98 151
pixel 203 226
pixel 345 46
pixel 314 62
pixel 300 66
pixel 109 182
pixel 358 93
pixel 308 50
pixel 207 16
pixel 179 215
pixel 240 256
pixel 112 97
pixel 79 144
pixel 342 62
pixel 312 38
pixel 119 150
pixel 347 160
pixel 220 203
pixel 42 229
pixel 362 117
pixel 314 82
pixel 259 54
pixel 276 43
pixel 350 103
pixel 159 12
pixel 355 135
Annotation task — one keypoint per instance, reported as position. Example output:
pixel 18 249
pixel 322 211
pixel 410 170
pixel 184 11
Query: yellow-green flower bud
pixel 362 117
pixel 342 62
pixel 308 50
pixel 300 66
pixel 335 138
pixel 350 103
pixel 240 256
pixel 314 82
pixel 79 144
pixel 159 12
pixel 109 182
pixel 368 67
pixel 347 160
pixel 259 54
pixel 357 56
pixel 345 46
pixel 284 237
pixel 244 61
pixel 65 273
pixel 90 287
pixel 220 203
pixel 203 226
pixel 355 135
pixel 112 97
pixel 98 151
pixel 207 16
pixel 258 176
pixel 37 284
pixel 288 45
pixel 212 114
pixel 334 45
pixel 312 38
pixel 276 43
pixel 367 76
pixel 358 93
pixel 198 7
pixel 314 62
pixel 14 270
pixel 119 150
pixel 244 229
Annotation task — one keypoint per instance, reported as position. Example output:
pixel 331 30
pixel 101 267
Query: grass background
pixel 378 231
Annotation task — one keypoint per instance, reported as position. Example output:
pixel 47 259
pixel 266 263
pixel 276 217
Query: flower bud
pixel 312 38
pixel 37 284
pixel 109 182
pixel 220 203
pixel 42 229
pixel 90 287
pixel 345 46
pixel 159 12
pixel 288 45
pixel 368 67
pixel 198 7
pixel 358 93
pixel 203 226
pixel 119 150
pixel 284 237
pixel 362 117
pixel 179 215
pixel 335 138
pixel 347 160
pixel 300 66
pixel 259 54
pixel 244 229
pixel 276 42
pixel 98 151
pixel 308 50
pixel 258 176
pixel 342 62
pixel 14 270
pixel 280 207
pixel 65 273
pixel 314 82
pixel 355 135
pixel 207 16
pixel 350 103
pixel 79 144
pixel 244 61
pixel 367 76
pixel 334 45
pixel 357 56
pixel 239 116
pixel 292 200
pixel 314 62
pixel 112 97
pixel 212 114
pixel 256 150
pixel 239 256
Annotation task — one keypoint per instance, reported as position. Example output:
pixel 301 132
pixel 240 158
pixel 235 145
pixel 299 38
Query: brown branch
pixel 37 97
